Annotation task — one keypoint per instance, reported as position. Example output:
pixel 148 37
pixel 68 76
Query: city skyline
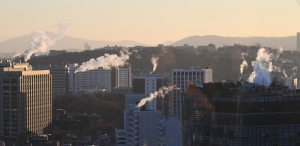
pixel 152 22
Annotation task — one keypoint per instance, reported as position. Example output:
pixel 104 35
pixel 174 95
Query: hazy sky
pixel 151 21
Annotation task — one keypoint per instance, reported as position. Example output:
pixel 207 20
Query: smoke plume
pixel 284 73
pixel 40 41
pixel 154 61
pixel 161 92
pixel 244 63
pixel 107 61
pixel 263 65
pixel 16 55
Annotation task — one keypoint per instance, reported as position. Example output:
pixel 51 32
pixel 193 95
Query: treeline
pixel 224 66
pixel 109 106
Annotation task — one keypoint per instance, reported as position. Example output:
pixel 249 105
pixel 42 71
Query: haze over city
pixel 150 73
pixel 151 22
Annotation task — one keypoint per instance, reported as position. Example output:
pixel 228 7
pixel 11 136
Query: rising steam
pixel 40 41
pixel 161 92
pixel 284 73
pixel 107 61
pixel 244 63
pixel 154 61
pixel 263 65
pixel 16 55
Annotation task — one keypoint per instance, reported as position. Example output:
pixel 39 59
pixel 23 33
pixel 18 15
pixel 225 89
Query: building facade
pixel 121 78
pixel 142 127
pixel 71 77
pixel 182 78
pixel 240 118
pixel 147 84
pixel 97 80
pixel 25 101
pixel 60 77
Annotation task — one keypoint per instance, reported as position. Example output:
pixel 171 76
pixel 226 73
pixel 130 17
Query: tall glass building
pixel 240 116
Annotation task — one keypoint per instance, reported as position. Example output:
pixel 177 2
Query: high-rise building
pixel 173 131
pixel 121 77
pixel 25 101
pixel 237 115
pixel 147 84
pixel 182 78
pixel 298 42
pixel 142 127
pixel 59 75
pixel 71 77
pixel 97 80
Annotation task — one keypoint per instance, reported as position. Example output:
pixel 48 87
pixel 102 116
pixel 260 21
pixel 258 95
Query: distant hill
pixel 20 44
pixel 287 43
pixel 224 67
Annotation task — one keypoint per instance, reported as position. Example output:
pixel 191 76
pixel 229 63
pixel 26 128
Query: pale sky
pixel 151 21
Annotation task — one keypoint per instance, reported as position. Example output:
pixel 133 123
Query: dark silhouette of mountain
pixel 287 43
pixel 20 44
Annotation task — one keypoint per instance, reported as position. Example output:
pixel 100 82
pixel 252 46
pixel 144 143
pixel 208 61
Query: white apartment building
pixel 142 127
pixel 97 80
pixel 123 76
pixel 147 84
pixel 182 78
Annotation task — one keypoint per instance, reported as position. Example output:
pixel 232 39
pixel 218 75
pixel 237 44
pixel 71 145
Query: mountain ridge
pixel 287 42
pixel 21 43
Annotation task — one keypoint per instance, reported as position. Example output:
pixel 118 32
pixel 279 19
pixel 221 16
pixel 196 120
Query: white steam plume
pixel 161 92
pixel 16 55
pixel 244 63
pixel 294 68
pixel 284 73
pixel 40 41
pixel 263 65
pixel 154 61
pixel 107 61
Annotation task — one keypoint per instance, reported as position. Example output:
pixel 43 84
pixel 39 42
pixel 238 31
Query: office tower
pixel 298 42
pixel 60 77
pixel 121 77
pixel 25 101
pixel 97 80
pixel 120 139
pixel 142 127
pixel 173 131
pixel 218 115
pixel 147 84
pixel 182 78
pixel 71 77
